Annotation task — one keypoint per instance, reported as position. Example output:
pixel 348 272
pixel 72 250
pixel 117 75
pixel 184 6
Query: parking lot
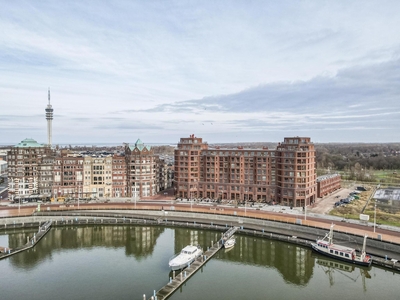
pixel 326 204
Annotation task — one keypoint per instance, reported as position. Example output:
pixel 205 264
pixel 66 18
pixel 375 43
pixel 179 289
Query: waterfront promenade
pixel 383 234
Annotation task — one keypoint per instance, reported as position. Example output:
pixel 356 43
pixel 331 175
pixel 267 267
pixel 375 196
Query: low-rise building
pixel 3 167
pixel 327 184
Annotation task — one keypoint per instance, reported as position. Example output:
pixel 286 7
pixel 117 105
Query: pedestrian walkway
pixel 176 281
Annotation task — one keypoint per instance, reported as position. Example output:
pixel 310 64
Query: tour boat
pixel 185 257
pixel 326 247
pixel 229 243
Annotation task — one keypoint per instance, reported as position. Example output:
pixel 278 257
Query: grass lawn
pixel 355 208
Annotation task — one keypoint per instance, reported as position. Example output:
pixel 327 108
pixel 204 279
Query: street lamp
pixel 305 209
pixel 375 217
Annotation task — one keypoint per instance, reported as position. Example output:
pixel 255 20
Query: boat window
pixel 336 252
pixel 331 251
pixel 347 255
pixel 341 253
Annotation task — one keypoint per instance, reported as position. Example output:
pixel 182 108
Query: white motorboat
pixel 229 243
pixel 185 257
pixel 326 247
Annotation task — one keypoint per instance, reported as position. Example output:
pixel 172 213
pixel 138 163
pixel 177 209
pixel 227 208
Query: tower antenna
pixel 49 118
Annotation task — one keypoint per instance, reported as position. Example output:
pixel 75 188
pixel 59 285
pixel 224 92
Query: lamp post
pixel 305 209
pixel 374 216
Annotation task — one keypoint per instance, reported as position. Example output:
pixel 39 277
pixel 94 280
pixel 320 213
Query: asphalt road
pixel 357 229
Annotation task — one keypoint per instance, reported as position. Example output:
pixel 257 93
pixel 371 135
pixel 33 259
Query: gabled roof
pixel 29 143
pixel 139 145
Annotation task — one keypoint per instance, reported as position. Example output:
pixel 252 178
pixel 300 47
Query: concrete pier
pixel 186 273
pixel 30 243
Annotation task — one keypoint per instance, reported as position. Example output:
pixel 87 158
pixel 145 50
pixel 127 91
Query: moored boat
pixel 185 257
pixel 326 247
pixel 229 243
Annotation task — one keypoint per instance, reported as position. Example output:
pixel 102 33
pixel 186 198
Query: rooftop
pixel 387 194
pixel 29 143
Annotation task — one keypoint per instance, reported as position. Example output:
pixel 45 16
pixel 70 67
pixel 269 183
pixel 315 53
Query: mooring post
pixel 173 274
pixel 181 276
pixel 144 296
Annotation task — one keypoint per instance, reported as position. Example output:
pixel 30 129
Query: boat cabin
pixel 189 250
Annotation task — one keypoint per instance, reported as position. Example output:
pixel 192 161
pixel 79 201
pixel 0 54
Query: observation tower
pixel 49 118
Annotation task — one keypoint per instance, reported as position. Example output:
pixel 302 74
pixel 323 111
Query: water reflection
pixel 103 262
pixel 293 262
pixel 335 269
pixel 17 237
pixel 138 241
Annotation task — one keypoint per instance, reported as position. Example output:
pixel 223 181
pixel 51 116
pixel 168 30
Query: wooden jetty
pixel 31 242
pixel 188 272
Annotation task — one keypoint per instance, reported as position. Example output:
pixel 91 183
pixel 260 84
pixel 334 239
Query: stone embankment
pixel 385 252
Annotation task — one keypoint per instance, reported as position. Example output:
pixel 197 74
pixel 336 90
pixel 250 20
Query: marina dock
pixel 30 243
pixel 188 272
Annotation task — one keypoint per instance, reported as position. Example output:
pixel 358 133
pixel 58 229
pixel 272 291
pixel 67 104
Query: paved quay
pixel 287 216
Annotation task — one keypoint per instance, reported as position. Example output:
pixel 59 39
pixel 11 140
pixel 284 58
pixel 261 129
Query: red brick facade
pixel 285 175
pixel 326 184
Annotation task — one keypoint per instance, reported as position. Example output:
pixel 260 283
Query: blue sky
pixel 227 71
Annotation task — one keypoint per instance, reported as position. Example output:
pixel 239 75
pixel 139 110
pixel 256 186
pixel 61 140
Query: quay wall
pixel 296 230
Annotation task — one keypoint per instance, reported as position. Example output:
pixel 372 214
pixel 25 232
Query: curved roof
pixel 29 143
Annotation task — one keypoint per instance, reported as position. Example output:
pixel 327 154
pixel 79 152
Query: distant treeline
pixel 358 157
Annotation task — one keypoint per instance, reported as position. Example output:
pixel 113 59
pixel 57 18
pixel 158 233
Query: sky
pixel 226 71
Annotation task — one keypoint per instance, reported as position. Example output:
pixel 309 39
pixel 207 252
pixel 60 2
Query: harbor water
pixel 126 262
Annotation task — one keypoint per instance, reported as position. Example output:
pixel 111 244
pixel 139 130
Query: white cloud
pixel 163 68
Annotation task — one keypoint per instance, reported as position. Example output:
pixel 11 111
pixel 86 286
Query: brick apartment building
pixel 119 176
pixel 285 175
pixel 68 175
pixel 327 184
pixel 28 164
pixel 38 172
pixel 295 172
pixel 97 181
pixel 141 170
